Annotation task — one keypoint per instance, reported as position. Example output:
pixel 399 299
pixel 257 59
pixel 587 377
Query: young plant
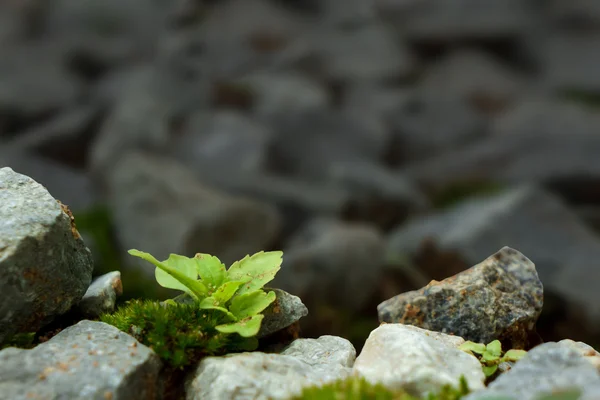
pixel 491 355
pixel 235 292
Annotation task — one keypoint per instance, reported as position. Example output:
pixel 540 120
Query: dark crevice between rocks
pixel 383 213
pixel 13 122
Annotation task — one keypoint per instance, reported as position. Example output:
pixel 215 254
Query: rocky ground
pixel 353 135
pixel 46 280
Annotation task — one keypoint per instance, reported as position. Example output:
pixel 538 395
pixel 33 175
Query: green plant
pixel 491 355
pixel 179 334
pixel 358 388
pixel 235 292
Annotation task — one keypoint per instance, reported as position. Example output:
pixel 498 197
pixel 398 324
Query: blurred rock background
pixel 380 143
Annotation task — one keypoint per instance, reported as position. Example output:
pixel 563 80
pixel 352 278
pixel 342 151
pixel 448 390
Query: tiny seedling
pixel 491 355
pixel 235 292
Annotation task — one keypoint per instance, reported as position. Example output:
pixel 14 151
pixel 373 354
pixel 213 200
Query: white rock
pixel 306 362
pixel 416 360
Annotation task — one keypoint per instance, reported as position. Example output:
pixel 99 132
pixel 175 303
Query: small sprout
pixel 491 355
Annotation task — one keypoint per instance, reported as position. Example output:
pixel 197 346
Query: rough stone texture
pixel 547 368
pixel 416 360
pixel 90 360
pixel 102 295
pixel 275 376
pixel 159 207
pixel 499 298
pixel 585 350
pixel 334 262
pixel 526 218
pixel 283 312
pixel 45 267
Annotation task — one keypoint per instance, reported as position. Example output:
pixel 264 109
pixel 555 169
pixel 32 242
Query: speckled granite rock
pixel 499 298
pixel 45 267
pixel 87 361
pixel 416 360
pixel 548 368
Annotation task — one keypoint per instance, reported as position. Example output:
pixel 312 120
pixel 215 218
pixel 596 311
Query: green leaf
pixel 226 291
pixel 247 327
pixel 210 303
pixel 181 264
pixel 478 348
pixel 489 370
pixel 487 357
pixel 189 285
pixel 255 270
pixel 514 355
pixel 211 270
pixel 252 303
pixel 494 348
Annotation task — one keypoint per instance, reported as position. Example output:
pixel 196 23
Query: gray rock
pixel 526 218
pixel 365 53
pixel 348 13
pixel 102 295
pixel 90 360
pixel 474 76
pixel 283 312
pixel 106 33
pixel 45 267
pixel 328 136
pixel 71 186
pixel 416 360
pixel 376 194
pixel 569 62
pixel 574 13
pixel 34 83
pixel 445 22
pixel 522 147
pixel 159 207
pixel 276 93
pixel 222 139
pixel 305 362
pixel 548 368
pixel 499 298
pixel 429 124
pixel 147 115
pixel 334 262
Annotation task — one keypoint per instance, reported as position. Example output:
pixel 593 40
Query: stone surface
pixel 275 376
pixel 333 262
pixel 220 140
pixel 416 360
pixel 525 218
pixel 522 147
pixel 45 267
pixel 283 312
pixel 545 369
pixel 161 208
pixel 482 80
pixel 429 123
pixel 499 298
pixel 90 360
pixel 102 295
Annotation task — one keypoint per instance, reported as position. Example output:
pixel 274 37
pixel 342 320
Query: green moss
pixel 181 334
pixel 21 341
pixel 358 388
pixel 581 97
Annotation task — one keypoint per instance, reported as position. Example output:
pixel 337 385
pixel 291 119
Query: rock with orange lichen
pixel 45 267
pixel 499 298
pixel 89 360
